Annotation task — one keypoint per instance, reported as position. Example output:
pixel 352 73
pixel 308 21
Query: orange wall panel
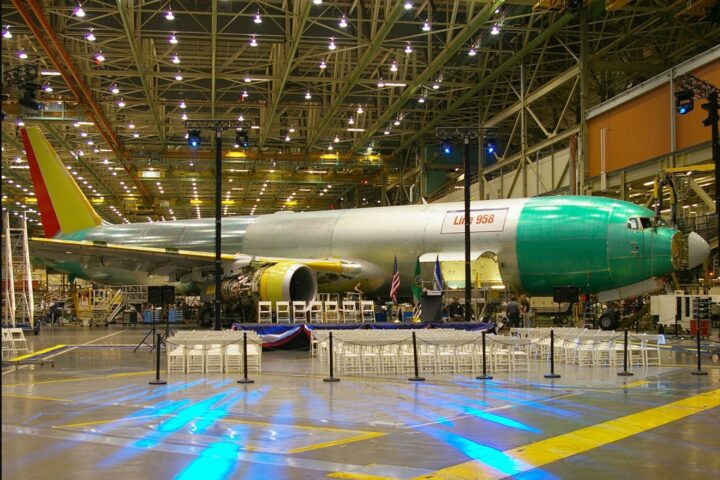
pixel 689 129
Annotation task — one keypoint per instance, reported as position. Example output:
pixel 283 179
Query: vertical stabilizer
pixel 63 207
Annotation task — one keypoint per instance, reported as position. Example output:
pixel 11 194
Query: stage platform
pixel 298 335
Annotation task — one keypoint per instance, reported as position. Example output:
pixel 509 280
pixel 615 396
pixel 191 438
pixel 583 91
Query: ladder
pixel 18 299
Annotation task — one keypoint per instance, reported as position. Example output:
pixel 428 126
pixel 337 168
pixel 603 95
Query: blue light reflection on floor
pixel 214 463
pixel 491 417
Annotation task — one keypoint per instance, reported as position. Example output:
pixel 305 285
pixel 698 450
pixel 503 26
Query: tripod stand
pixel 151 333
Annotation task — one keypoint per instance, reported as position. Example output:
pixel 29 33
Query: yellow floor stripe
pixel 32 397
pixel 544 452
pixel 98 377
pixel 358 476
pixel 39 352
pixel 317 446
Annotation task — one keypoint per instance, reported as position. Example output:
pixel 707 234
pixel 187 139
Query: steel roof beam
pixel 279 86
pixel 376 44
pixel 125 9
pixel 472 92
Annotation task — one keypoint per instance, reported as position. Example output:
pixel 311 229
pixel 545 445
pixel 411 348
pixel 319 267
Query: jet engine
pixel 279 281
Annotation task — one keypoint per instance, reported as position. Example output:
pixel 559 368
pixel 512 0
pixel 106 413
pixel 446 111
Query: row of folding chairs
pixel 330 311
pixel 213 352
pixel 14 343
pixel 583 347
pixel 439 351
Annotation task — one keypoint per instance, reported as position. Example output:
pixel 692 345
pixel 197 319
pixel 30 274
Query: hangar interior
pixel 336 106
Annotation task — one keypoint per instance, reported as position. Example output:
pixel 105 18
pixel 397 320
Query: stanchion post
pixel 417 377
pixel 699 370
pixel 157 380
pixel 331 378
pixel 245 378
pixel 625 372
pixel 484 375
pixel 552 373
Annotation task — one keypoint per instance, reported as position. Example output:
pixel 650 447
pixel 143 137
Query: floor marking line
pixel 97 377
pixel 33 354
pixel 333 443
pixel 86 343
pixel 358 476
pixel 534 455
pixel 32 397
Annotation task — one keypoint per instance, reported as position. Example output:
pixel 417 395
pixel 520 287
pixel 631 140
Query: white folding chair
pixel 176 360
pixel 367 310
pixel 299 311
pixel 282 311
pixel 214 358
pixel 264 311
pixel 316 312
pixel 331 311
pixel 349 311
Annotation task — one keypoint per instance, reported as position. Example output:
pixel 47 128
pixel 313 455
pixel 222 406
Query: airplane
pixel 603 246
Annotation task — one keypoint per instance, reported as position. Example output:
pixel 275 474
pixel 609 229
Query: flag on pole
pixel 395 284
pixel 437 275
pixel 417 292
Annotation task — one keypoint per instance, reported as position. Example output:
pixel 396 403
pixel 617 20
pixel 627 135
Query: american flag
pixel 395 285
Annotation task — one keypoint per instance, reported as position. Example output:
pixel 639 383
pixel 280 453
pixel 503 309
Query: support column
pixel 584 78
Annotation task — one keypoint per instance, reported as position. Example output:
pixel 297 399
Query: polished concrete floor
pixel 89 412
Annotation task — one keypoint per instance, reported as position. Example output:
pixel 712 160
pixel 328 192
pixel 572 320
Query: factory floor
pixel 89 412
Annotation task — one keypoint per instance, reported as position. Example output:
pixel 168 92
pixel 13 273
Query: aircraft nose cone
pixel 698 250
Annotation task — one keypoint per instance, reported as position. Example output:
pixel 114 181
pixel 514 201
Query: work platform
pixel 94 414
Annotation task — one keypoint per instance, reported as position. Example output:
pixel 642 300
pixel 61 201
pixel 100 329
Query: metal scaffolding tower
pixel 18 304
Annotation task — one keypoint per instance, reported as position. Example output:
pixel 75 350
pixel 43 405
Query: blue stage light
pixel 194 138
pixel 490 146
pixel 446 147
pixel 684 101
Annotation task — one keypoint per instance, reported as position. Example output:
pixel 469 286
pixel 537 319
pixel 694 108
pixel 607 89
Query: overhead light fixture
pixel 495 30
pixel 114 89
pixel 136 135
pixel 323 65
pixel 394 67
pixel 258 18
pixel 247 79
pixel 386 132
pixel 169 15
pixel 307 95
pixel 408 48
pixel 426 26
pixel 48 88
pixel 194 138
pixel 408 5
pixel 184 116
pixel 50 73
pixel 360 110
pixel 99 57
pixel 6 32
pixel 355 129
pixel 253 41
pixel 287 138
pixel 421 99
pixel 79 12
pixel 90 37
pixel 20 122
pixel 395 84
pixel 121 103
pixel 331 45
pixel 336 139
pixel 343 22
pixel 176 59
pixel 178 77
pixel 380 83
pixel 245 94
pixel 241 118
pixel 472 52
pixel 684 101
pixel 173 39
pixel 317 2
pixel 396 122
pixel 131 125
pixel 22 55
pixel 182 104
pixel 446 146
pixel 351 121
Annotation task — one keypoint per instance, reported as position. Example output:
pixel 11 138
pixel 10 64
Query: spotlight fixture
pixel 426 26
pixel 79 12
pixel 194 138
pixel 90 37
pixel 258 18
pixel 169 15
pixel 343 22
pixel 331 45
pixel 28 97
pixel 684 101
pixel 446 146
pixel 241 138
pixel 490 145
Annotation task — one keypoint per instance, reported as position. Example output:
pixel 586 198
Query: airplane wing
pixel 170 261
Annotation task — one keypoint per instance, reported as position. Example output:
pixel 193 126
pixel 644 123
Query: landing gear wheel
pixel 608 321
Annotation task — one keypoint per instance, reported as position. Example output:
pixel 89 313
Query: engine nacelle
pixel 287 281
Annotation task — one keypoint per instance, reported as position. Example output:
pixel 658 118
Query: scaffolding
pixel 18 300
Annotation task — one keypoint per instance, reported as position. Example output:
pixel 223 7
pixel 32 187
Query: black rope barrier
pixel 331 378
pixel 552 373
pixel 245 378
pixel 157 380
pixel 484 375
pixel 699 370
pixel 625 372
pixel 417 377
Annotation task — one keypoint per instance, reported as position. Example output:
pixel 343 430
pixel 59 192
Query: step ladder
pixel 17 299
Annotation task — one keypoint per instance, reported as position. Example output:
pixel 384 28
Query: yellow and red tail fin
pixel 63 206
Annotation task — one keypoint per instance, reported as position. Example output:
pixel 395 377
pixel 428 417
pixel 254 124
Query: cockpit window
pixel 646 222
pixel 633 224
